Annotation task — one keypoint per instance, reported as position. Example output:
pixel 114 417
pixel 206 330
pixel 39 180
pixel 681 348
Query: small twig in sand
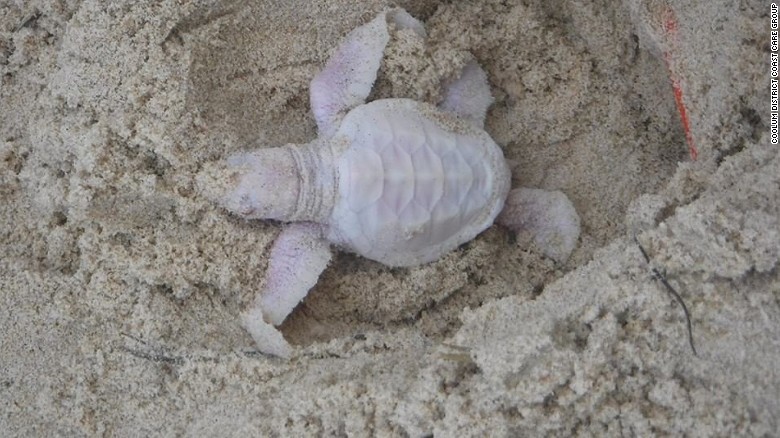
pixel 154 357
pixel 28 19
pixel 660 277
pixel 156 354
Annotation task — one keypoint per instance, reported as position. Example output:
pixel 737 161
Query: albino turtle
pixel 395 180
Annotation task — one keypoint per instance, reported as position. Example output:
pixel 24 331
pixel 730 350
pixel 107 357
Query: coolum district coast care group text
pixel 774 67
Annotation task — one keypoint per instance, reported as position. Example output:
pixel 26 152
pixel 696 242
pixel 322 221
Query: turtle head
pixel 261 184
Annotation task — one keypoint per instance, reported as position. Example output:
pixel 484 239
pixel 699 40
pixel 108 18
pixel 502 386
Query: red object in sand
pixel 670 35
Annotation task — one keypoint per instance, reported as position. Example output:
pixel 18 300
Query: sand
pixel 121 284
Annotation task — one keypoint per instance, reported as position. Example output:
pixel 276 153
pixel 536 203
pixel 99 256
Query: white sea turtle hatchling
pixel 395 180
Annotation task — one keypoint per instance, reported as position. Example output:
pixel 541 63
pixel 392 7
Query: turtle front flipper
pixel 298 257
pixel 349 74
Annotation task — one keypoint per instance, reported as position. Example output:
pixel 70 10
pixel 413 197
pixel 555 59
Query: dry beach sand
pixel 121 284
